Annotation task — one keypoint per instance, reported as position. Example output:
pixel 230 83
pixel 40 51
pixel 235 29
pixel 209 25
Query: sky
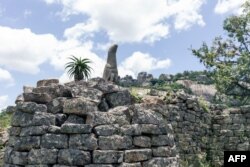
pixel 38 37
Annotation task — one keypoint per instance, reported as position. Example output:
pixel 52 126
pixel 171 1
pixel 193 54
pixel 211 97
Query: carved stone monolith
pixel 110 71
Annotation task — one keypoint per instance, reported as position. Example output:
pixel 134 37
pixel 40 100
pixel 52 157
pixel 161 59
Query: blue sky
pixel 37 36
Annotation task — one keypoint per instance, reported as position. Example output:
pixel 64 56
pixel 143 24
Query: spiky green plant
pixel 78 68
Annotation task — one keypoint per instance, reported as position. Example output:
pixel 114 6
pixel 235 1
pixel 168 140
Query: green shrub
pixel 5 119
pixel 135 96
pixel 204 104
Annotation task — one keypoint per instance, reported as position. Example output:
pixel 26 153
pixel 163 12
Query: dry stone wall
pixel 97 124
pixel 91 124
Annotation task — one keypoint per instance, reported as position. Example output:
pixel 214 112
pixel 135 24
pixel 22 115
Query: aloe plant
pixel 78 68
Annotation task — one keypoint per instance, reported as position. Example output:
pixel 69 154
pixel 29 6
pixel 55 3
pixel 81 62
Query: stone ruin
pixel 97 124
pixel 91 124
pixel 110 71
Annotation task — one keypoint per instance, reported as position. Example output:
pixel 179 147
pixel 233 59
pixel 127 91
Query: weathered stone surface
pixel 107 157
pixel 14 131
pixel 42 156
pixel 51 141
pixel 12 140
pixel 99 165
pixel 10 165
pixel 142 116
pixel 83 142
pixel 37 166
pixel 33 130
pixel 142 141
pixel 76 128
pixel 27 143
pixel 110 71
pixel 103 105
pixel 79 106
pixel 138 164
pixel 41 98
pixel 56 105
pixel 73 157
pixel 54 129
pixel 31 107
pixel 47 82
pixel 120 98
pixel 27 89
pixel 148 125
pixel 171 162
pixel 63 166
pixel 243 146
pixel 163 140
pixel 106 118
pixel 21 119
pixel 52 91
pixel 102 85
pixel 107 130
pixel 19 158
pixel 19 99
pixel 127 81
pixel 131 130
pixel 7 154
pixel 40 119
pixel 152 100
pixel 164 151
pixel 60 119
pixel 74 119
pixel 10 109
pixel 144 79
pixel 151 129
pixel 91 94
pixel 115 142
pixel 137 155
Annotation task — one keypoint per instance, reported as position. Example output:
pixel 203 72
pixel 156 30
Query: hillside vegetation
pixel 4 124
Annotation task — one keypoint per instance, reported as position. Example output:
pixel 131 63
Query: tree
pixel 229 59
pixel 78 68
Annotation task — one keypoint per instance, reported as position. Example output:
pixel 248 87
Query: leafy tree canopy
pixel 229 59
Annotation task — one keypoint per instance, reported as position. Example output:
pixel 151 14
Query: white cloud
pixel 226 6
pixel 186 13
pixel 3 101
pixel 81 30
pixel 138 62
pixel 135 20
pixel 24 51
pixel 5 77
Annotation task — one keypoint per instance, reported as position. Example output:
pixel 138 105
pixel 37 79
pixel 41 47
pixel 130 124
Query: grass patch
pixel 204 104
pixel 135 96
pixel 5 119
